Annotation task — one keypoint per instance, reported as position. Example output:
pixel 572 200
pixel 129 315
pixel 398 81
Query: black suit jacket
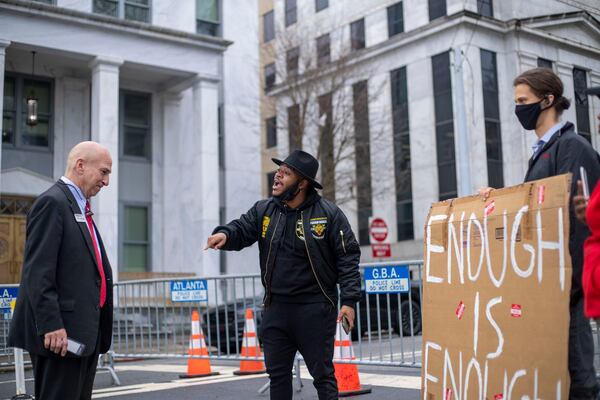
pixel 564 153
pixel 60 284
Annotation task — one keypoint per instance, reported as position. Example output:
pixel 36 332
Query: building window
pixel 14 129
pixel 294 128
pixel 437 9
pixel 485 8
pixel 491 114
pixel 133 10
pixel 269 76
pixel 362 158
pixel 271 126
pixel 357 34
pixel 395 16
pixel 543 63
pixel 321 5
pixel 292 57
pixel 323 50
pixel 10 111
pixel 326 142
pixel 136 124
pixel 290 12
pixel 444 125
pixel 136 244
pixel 268 26
pixel 402 165
pixel 208 21
pixel 582 109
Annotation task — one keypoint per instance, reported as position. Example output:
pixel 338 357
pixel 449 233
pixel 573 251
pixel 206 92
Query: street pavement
pixel 159 379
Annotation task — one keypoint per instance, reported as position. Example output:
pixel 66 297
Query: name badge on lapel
pixel 79 217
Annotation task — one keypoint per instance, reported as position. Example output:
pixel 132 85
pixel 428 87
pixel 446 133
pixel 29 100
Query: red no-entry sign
pixel 378 230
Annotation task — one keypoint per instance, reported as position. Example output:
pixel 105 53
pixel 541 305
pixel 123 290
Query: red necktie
pixel 90 224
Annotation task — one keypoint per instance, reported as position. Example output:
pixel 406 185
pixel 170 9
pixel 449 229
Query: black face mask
pixel 528 114
pixel 290 194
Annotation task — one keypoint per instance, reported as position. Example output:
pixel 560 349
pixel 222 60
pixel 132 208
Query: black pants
pixel 581 356
pixel 308 328
pixel 64 378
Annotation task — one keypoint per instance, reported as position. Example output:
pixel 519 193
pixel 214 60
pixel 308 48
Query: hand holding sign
pixel 580 204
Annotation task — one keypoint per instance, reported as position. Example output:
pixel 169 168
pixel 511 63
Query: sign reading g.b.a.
pixel 497 277
pixel 189 290
pixel 387 279
pixel 8 298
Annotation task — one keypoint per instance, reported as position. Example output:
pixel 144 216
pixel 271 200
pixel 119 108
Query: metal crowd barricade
pixel 149 324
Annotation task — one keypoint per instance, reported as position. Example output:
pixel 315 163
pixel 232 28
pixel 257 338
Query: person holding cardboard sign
pixel 539 103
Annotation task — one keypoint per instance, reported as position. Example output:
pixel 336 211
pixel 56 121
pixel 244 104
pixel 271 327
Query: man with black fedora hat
pixel 306 248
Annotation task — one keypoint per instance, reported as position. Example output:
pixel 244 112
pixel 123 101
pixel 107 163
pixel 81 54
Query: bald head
pixel 89 165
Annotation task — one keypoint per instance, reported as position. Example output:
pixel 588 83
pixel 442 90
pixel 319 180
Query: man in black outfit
pixel 66 285
pixel 306 247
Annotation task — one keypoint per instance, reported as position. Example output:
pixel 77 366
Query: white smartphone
pixel 75 347
pixel 584 183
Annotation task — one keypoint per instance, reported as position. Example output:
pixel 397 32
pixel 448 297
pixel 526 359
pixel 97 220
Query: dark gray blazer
pixel 564 153
pixel 60 284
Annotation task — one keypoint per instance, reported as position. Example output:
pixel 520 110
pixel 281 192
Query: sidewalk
pixel 159 379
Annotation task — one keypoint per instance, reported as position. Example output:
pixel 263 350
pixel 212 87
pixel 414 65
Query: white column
pixel 172 239
pixel 205 176
pixel 595 109
pixel 105 130
pixel 3 45
pixel 423 155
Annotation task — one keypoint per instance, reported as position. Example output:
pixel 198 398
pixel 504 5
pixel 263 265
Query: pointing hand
pixel 216 241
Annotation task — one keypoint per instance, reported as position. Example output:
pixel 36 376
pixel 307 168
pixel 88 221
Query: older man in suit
pixel 66 286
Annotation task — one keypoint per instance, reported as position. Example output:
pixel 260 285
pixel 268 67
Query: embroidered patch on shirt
pixel 265 225
pixel 300 230
pixel 318 226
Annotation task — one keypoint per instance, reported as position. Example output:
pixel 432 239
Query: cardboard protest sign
pixel 497 277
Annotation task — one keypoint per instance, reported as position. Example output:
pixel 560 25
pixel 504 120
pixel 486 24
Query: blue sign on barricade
pixel 387 279
pixel 8 298
pixel 189 290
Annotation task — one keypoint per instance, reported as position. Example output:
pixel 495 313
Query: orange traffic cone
pixel 197 367
pixel 346 374
pixel 250 349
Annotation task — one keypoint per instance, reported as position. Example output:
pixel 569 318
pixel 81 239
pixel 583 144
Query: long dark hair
pixel 543 82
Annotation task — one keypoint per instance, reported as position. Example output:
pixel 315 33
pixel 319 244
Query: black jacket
pixel 565 152
pixel 60 284
pixel 334 253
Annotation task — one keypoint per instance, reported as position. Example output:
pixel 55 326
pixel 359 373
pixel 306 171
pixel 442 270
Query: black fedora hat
pixel 303 163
